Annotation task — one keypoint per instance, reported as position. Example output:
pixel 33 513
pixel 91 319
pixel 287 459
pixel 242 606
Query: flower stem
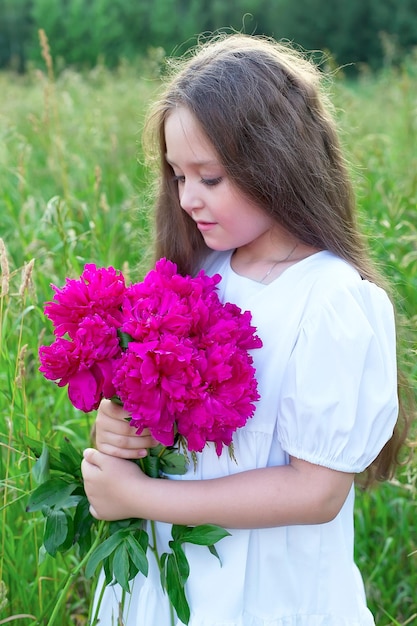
pixel 93 617
pixel 71 576
pixel 154 546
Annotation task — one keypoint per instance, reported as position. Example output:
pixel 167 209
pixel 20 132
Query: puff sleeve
pixel 339 401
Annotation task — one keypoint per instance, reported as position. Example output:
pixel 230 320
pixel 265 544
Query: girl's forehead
pixel 186 140
pixel 183 120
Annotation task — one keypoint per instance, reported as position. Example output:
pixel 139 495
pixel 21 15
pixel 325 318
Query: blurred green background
pixel 84 31
pixel 74 189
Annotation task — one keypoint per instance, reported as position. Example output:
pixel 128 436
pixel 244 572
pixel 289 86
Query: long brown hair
pixel 263 107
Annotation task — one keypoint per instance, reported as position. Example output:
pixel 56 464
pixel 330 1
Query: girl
pixel 254 187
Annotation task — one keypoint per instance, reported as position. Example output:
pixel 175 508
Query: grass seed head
pixel 5 271
pixel 3 595
pixel 46 53
pixel 21 367
pixel 27 282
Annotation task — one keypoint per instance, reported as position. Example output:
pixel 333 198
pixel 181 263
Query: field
pixel 74 189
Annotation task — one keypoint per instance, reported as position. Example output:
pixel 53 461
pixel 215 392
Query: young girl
pixel 254 187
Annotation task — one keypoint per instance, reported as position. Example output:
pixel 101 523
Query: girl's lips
pixel 203 226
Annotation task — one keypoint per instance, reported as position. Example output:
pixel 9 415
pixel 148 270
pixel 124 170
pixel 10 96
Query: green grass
pixel 73 190
pixel 380 124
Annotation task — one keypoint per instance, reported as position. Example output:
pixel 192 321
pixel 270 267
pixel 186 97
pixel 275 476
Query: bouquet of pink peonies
pixel 177 360
pixel 170 351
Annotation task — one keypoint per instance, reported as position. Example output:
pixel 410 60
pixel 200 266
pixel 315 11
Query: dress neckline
pixel 289 269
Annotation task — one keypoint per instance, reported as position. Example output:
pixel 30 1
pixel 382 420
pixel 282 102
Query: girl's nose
pixel 190 198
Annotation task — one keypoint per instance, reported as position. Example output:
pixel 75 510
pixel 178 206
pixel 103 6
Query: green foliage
pixel 122 554
pixel 60 497
pixel 386 545
pixel 120 547
pixel 174 565
pixel 85 32
pixel 382 149
pixel 73 189
pixel 15 32
pixel 82 33
pixel 359 32
pixel 71 175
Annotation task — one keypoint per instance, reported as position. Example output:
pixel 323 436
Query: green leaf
pixel 34 444
pixel 203 535
pixel 108 569
pixel 102 552
pixel 137 554
pixel 124 339
pixel 151 465
pixel 71 458
pixel 214 552
pixel 121 566
pixel 82 517
pixel 175 589
pixel 37 447
pixel 69 541
pixel 119 524
pixel 143 538
pixel 54 492
pixel 162 569
pixel 181 563
pixel 83 521
pixel 163 459
pixel 40 471
pixel 56 530
pixel 65 458
pixel 173 462
pixel 178 531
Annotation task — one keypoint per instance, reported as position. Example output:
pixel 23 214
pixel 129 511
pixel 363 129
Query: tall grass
pixel 73 190
pixel 380 116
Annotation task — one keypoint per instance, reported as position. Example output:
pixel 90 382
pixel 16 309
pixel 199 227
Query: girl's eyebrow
pixel 197 162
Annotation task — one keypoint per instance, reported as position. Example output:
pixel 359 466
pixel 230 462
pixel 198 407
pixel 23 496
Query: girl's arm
pixel 298 493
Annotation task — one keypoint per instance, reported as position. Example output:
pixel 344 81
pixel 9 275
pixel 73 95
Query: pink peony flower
pixel 96 340
pixel 152 381
pixel 85 389
pixel 166 302
pixel 225 400
pixel 84 364
pixel 174 354
pixel 58 361
pixel 96 291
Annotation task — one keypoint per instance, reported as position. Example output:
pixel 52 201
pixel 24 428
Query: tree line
pixel 83 32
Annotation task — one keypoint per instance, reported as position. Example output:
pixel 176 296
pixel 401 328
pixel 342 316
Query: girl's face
pixel 226 218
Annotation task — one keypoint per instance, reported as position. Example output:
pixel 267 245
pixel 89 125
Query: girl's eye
pixel 212 182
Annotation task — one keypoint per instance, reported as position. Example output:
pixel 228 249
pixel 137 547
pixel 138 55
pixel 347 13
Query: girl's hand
pixel 114 435
pixel 111 485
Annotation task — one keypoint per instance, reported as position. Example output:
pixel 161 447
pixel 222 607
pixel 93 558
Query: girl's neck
pixel 267 267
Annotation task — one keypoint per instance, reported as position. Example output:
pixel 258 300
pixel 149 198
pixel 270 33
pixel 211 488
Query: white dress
pixel 327 379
